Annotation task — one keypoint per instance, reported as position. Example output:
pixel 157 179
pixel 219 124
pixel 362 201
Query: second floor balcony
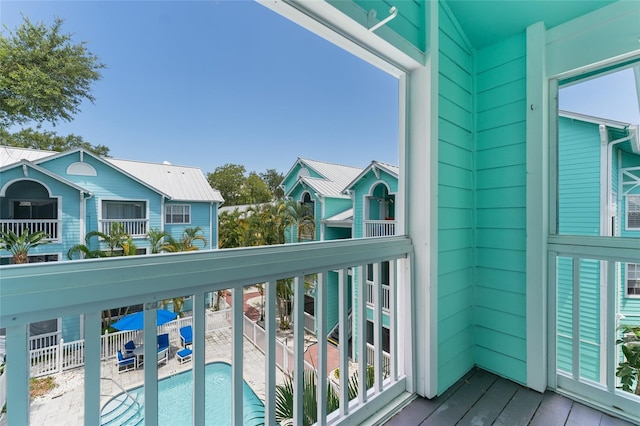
pixel 133 227
pixel 379 228
pixel 89 287
pixel 51 227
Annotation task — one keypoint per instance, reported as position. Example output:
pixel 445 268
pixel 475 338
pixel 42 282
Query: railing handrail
pixel 51 226
pixel 135 401
pixel 135 219
pixel 30 220
pixel 91 281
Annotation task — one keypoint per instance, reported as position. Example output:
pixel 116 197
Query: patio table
pixel 139 354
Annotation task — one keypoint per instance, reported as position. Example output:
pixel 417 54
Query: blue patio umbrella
pixel 135 321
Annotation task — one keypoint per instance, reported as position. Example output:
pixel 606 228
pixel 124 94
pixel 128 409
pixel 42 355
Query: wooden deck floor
pixel 482 398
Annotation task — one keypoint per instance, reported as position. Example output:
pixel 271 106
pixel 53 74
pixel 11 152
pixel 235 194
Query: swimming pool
pixel 175 400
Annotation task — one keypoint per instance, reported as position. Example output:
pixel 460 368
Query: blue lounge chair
pixel 184 355
pixel 129 347
pixel 186 335
pixel 125 363
pixel 163 355
pixel 163 341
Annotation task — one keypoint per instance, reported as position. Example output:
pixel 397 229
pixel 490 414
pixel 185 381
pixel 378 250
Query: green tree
pixel 44 76
pixel 156 240
pixel 254 190
pixel 299 220
pixel 189 237
pixel 232 229
pixel 285 392
pixel 48 141
pixel 118 243
pixel 273 180
pixel 629 370
pixel 229 180
pixel 19 245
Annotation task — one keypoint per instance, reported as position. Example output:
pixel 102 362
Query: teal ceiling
pixel 486 22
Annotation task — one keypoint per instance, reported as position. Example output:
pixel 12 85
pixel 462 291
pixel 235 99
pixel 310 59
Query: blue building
pixel 478 249
pixel 361 207
pixel 69 194
pixel 599 186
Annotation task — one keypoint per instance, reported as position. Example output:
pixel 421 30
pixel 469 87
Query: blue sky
pixel 611 96
pixel 208 83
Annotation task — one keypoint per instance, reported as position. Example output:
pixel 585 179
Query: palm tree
pixel 232 229
pixel 156 240
pixel 19 246
pixel 118 242
pixel 298 218
pixel 189 236
pixel 284 396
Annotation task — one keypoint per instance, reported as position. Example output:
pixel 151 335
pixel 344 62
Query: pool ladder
pixel 127 396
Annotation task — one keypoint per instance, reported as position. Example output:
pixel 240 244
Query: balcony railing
pixel 385 295
pixel 86 287
pixel 587 315
pixel 379 228
pixel 310 323
pixel 133 227
pixel 48 226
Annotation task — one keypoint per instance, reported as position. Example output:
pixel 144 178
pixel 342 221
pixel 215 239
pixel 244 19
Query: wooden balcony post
pixel 18 374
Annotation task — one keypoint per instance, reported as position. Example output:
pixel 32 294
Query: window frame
pixel 627 211
pixel 144 210
pixel 628 279
pixel 171 214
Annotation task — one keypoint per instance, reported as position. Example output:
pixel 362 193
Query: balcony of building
pixel 28 205
pixel 86 288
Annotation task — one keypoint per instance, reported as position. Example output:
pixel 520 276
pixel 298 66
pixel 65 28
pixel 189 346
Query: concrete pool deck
pixel 64 405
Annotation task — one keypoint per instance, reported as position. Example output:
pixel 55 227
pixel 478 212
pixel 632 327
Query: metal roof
pixel 181 183
pixel 29 164
pixel 10 155
pixel 345 216
pixel 337 173
pixel 389 168
pixel 333 180
pixel 323 187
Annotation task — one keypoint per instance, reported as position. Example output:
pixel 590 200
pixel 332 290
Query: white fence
pixel 285 359
pixel 60 355
pixel 48 226
pixel 44 340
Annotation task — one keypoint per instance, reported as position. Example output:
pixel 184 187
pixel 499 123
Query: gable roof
pixel 10 155
pixel 102 160
pixel 181 183
pixel 375 166
pixel 623 129
pixel 334 177
pixel 29 164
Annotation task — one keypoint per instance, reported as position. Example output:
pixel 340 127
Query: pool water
pixel 175 398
